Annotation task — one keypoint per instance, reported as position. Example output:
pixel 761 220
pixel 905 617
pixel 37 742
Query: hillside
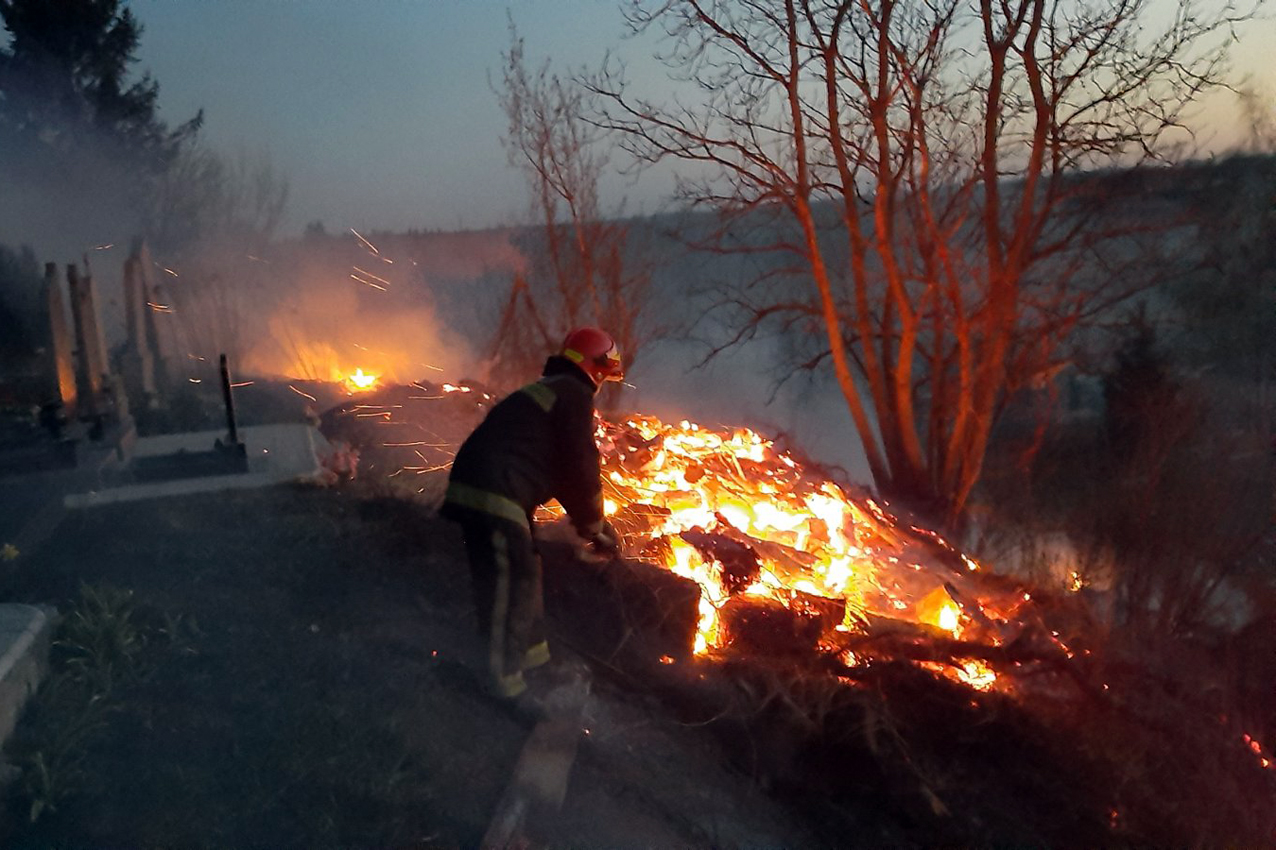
pixel 290 669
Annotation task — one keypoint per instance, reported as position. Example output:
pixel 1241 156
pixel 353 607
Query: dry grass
pixel 1172 529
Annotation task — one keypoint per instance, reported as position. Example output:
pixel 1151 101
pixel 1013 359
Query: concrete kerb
pixel 24 633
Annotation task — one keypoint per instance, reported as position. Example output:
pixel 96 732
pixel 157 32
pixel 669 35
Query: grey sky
pixel 380 111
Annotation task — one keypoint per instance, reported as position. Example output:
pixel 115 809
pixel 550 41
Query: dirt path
pixel 320 695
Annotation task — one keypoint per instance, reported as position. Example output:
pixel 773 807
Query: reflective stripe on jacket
pixel 465 496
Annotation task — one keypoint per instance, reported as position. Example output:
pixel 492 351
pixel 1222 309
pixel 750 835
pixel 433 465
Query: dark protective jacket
pixel 536 444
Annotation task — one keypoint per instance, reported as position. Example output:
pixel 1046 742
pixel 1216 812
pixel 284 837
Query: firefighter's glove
pixel 604 539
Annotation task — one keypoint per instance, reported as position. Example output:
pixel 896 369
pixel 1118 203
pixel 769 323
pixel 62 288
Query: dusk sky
pixel 380 112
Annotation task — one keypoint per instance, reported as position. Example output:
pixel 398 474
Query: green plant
pixel 100 639
pixel 52 763
pixel 99 644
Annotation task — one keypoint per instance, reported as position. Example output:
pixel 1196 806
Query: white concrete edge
pixel 277 453
pixel 19 647
pixel 179 487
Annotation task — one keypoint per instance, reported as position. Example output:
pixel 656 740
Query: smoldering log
pixel 628 613
pixel 876 627
pixel 636 520
pixel 655 551
pixel 900 646
pixel 743 472
pixel 1017 659
pixel 790 562
pixel 972 609
pixel 758 624
pixel 631 446
pixel 831 612
pixel 740 564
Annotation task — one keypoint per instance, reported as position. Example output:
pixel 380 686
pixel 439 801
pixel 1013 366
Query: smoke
pixel 87 201
pixel 317 309
pixel 739 387
pixel 65 212
pixel 407 307
pixel 324 329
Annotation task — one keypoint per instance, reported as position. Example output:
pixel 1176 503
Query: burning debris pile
pixel 789 561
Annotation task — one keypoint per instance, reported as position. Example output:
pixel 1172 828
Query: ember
pixel 1257 749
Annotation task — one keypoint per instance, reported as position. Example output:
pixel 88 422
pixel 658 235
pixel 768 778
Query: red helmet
pixel 595 352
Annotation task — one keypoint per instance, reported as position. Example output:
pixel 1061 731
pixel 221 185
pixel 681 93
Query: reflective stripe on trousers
pixel 506 575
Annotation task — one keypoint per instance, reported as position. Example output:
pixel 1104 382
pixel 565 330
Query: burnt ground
pixel 305 683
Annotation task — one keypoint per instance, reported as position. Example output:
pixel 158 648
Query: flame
pixel 670 487
pixel 357 382
pixel 355 367
pixel 938 609
pixel 977 674
pixel 948 618
pixel 730 511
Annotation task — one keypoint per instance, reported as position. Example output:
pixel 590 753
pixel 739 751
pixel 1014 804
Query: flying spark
pixel 367 282
pixel 371 275
pixel 369 245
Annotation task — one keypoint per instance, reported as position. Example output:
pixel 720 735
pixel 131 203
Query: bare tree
pixel 583 266
pixel 1258 107
pixel 211 220
pixel 207 199
pixel 922 166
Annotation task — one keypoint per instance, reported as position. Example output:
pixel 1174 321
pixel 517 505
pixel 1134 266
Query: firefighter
pixel 536 444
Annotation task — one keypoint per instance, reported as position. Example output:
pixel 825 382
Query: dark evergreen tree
pixel 22 317
pixel 1140 392
pixel 66 101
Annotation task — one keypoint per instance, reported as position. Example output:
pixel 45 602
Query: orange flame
pixel 357 381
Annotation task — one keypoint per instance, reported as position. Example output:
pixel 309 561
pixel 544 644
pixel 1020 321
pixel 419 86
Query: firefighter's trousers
pixel 505 571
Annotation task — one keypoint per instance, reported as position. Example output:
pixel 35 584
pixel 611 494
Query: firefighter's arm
pixel 581 488
pixel 604 539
